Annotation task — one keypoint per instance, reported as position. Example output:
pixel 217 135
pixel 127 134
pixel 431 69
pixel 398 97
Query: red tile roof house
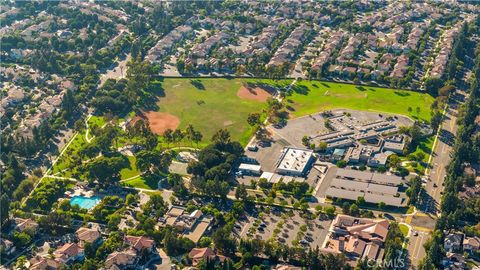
pixel 68 253
pixel 121 259
pixel 140 243
pixel 199 254
pixel 41 263
pixel 22 224
pixel 87 235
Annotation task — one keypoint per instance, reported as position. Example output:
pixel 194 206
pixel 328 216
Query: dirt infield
pixel 158 121
pixel 250 93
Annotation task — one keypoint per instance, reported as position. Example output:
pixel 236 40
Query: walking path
pixel 87 132
pixel 47 173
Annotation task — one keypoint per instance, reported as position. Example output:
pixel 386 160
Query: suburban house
pixel 454 261
pixel 68 253
pixel 87 235
pixel 199 254
pixel 140 243
pixel 22 224
pixel 286 267
pixel 42 263
pixel 453 242
pixel 121 259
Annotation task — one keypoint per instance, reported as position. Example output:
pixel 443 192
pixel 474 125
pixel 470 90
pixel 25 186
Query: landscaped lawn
pixel 99 121
pixel 126 173
pixel 63 164
pixel 425 146
pixel 142 182
pixel 313 96
pixel 211 104
pixel 404 229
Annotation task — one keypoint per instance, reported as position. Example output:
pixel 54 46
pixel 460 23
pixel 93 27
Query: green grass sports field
pixel 313 96
pixel 210 104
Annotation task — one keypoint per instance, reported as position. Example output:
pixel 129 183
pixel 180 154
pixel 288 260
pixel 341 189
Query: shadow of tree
pixel 267 87
pixel 402 94
pixel 197 84
pixel 361 88
pixel 301 89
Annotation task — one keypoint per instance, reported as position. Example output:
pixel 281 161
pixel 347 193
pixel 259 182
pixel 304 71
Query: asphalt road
pixel 434 186
pixel 415 248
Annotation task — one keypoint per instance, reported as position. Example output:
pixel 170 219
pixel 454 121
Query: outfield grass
pixel 312 96
pixel 211 104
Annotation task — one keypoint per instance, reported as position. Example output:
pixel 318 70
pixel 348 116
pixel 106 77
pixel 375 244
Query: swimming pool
pixel 85 202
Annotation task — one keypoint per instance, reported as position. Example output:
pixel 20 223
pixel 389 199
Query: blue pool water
pixel 85 202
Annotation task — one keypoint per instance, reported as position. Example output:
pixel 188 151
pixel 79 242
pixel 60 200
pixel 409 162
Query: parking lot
pixel 287 227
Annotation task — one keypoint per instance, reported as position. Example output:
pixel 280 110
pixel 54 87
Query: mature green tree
pixel 139 76
pixel 168 136
pixel 151 141
pixel 155 206
pixel 394 161
pixel 113 242
pixel 197 137
pixel 415 189
pixel 150 161
pixel 190 132
pixel 253 119
pixel 222 136
pixel 21 239
pixel 241 192
pixel 178 135
pixel 436 120
pixel 4 208
pixel 54 220
pixel 106 169
pixel 432 85
pixel 223 241
pixel 68 104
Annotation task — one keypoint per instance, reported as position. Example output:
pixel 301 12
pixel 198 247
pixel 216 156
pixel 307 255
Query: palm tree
pixel 190 133
pixel 168 136
pixel 197 137
pixel 178 135
pixel 221 136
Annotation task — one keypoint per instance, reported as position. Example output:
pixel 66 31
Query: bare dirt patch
pixel 158 121
pixel 253 93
